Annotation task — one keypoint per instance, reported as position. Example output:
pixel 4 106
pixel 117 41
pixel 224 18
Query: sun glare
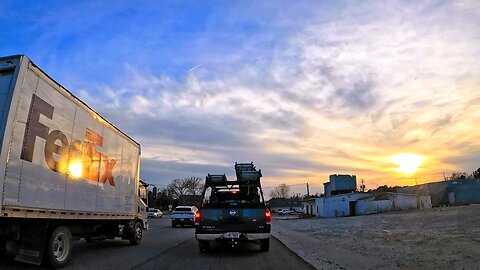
pixel 75 169
pixel 407 163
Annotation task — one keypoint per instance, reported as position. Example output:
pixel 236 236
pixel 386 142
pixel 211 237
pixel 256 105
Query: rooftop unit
pixel 340 184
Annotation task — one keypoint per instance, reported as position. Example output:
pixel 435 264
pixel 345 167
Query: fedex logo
pixel 79 159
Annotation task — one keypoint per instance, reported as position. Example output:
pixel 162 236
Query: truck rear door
pixel 7 72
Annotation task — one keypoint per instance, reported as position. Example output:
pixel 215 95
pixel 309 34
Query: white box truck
pixel 66 173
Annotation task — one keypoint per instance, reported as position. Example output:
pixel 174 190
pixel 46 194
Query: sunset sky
pixel 304 89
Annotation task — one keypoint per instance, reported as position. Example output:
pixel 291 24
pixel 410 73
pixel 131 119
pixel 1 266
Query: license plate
pixel 231 235
pixel 182 219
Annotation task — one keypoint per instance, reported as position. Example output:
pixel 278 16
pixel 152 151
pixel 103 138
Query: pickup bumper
pixel 247 236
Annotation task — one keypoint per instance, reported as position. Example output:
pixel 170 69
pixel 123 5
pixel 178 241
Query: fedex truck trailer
pixel 66 173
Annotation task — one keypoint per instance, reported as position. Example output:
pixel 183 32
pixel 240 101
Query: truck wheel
pixel 137 234
pixel 60 247
pixel 204 245
pixel 265 245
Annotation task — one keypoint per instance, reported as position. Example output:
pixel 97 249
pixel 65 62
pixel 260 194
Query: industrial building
pixel 356 204
pixel 342 200
pixel 451 192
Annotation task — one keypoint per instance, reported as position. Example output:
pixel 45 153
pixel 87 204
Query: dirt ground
pixel 436 238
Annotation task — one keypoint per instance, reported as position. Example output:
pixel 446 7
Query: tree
pixel 384 188
pixel 164 199
pixel 185 186
pixel 458 175
pixel 194 185
pixel 280 191
pixel 476 174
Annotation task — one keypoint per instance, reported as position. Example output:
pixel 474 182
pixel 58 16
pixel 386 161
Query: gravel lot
pixel 437 238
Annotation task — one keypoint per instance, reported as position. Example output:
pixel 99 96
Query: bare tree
pixel 458 175
pixel 476 174
pixel 280 191
pixel 194 185
pixel 185 186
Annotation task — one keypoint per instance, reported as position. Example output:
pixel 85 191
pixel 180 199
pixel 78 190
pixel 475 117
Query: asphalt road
pixel 164 247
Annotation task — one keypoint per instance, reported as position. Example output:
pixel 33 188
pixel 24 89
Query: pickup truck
pixel 233 211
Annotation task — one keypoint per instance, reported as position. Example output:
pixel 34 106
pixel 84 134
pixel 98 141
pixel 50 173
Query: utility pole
pixel 306 200
pixel 362 187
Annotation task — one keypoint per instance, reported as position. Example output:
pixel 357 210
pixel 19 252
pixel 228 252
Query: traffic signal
pixel 154 193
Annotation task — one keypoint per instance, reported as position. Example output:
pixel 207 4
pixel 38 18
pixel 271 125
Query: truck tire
pixel 204 246
pixel 265 245
pixel 59 247
pixel 137 234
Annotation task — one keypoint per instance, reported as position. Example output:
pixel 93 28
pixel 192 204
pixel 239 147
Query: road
pixel 164 247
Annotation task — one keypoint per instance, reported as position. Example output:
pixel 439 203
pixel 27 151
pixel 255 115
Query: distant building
pixel 355 204
pixel 277 204
pixel 340 184
pixel 460 191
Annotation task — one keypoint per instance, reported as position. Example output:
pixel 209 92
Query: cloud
pixel 339 96
pixel 314 89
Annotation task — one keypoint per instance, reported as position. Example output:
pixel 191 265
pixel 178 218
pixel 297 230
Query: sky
pixel 304 89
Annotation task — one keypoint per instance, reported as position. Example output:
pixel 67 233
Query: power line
pixel 301 184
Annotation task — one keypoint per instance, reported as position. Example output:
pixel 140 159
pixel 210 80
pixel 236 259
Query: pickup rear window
pixel 232 198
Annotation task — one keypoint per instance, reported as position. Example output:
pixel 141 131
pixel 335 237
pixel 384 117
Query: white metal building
pixel 354 204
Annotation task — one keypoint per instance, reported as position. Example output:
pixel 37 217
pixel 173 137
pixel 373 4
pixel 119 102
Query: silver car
pixel 154 213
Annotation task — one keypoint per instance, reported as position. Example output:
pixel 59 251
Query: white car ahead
pixel 285 212
pixel 154 213
pixel 184 215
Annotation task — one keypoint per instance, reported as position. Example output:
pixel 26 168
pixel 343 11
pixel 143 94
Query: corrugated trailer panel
pixel 39 185
pixel 62 155
pixel 26 83
pixel 9 69
pixel 82 194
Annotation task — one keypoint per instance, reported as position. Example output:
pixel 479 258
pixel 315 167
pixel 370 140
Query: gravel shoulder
pixel 437 238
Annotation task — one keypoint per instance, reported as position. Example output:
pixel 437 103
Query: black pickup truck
pixel 233 211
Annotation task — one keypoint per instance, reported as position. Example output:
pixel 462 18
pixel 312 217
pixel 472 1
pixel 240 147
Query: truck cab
pixel 233 211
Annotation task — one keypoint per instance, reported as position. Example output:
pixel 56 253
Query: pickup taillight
pixel 268 218
pixel 197 218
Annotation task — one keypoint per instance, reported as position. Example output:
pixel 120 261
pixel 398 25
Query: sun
pixel 407 163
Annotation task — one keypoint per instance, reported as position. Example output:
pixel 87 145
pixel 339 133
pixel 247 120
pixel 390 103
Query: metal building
pixel 459 191
pixel 355 204
pixel 340 184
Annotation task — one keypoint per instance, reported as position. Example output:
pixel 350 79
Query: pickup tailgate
pixel 218 220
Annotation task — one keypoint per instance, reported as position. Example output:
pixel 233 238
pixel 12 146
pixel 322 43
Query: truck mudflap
pixel 146 226
pixel 232 235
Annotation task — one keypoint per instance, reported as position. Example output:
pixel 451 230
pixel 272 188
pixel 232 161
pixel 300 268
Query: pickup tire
pixel 204 246
pixel 265 245
pixel 59 247
pixel 137 233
